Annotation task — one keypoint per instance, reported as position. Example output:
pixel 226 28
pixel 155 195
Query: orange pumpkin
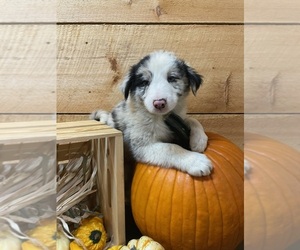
pixel 272 203
pixel 185 212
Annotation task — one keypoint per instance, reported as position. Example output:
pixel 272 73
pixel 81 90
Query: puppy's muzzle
pixel 160 104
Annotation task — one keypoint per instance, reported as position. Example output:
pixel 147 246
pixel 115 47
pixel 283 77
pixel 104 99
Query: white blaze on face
pixel 159 65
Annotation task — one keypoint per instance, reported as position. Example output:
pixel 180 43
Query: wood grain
pixel 281 127
pixel 151 11
pixel 29 11
pixel 28 68
pixel 93 59
pixel 272 61
pixel 272 11
pixel 27 132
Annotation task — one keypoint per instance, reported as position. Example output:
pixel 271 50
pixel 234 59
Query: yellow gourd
pixel 45 234
pixel 91 233
pixel 62 242
pixel 74 246
pixel 119 247
pixel 143 243
pixel 9 242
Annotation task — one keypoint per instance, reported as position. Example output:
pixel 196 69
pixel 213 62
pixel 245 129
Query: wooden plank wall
pixel 100 40
pixel 271 72
pixel 94 42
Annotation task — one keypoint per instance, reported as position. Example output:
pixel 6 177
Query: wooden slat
pixel 27 124
pixel 86 123
pixel 7 118
pixel 28 68
pixel 63 118
pixel 281 127
pixel 272 11
pixel 39 131
pixel 83 131
pixel 150 11
pixel 28 11
pixel 92 59
pixel 168 11
pixel 272 60
pixel 228 125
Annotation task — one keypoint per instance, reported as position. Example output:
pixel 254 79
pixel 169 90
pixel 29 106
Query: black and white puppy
pixel 155 88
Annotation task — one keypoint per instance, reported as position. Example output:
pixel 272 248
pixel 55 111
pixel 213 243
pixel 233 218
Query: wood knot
pixel 158 11
pixel 115 68
pixel 226 89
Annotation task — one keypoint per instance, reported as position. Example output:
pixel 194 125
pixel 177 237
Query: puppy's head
pixel 159 81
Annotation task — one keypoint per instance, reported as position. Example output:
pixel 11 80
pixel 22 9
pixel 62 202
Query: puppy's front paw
pixel 198 165
pixel 247 167
pixel 198 142
pixel 102 116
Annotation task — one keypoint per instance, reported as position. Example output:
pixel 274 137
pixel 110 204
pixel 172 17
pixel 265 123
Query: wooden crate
pixel 24 140
pixel 106 145
pixel 21 140
pixel 27 159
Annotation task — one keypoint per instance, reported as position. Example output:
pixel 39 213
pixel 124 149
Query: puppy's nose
pixel 160 104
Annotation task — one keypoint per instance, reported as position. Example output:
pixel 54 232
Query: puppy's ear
pixel 128 82
pixel 125 86
pixel 195 80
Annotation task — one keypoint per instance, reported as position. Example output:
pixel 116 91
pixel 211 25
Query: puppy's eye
pixel 172 78
pixel 144 83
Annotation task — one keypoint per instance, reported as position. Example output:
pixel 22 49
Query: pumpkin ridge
pixel 262 209
pixel 196 202
pixel 216 137
pixel 234 190
pixel 219 203
pixel 280 187
pixel 186 223
pixel 269 155
pixel 171 212
pixel 145 214
pixel 240 173
pixel 226 146
pixel 194 185
pixel 222 144
pixel 137 178
pixel 262 205
pixel 136 195
pixel 280 190
pixel 233 193
pixel 157 227
pixel 264 216
pixel 158 198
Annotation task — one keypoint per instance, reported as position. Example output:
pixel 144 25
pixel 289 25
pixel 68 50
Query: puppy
pixel 155 89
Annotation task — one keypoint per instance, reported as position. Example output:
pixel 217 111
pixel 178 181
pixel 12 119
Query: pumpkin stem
pixel 95 236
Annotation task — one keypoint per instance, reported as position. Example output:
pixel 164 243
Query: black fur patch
pixel 194 79
pixel 135 80
pixel 181 131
